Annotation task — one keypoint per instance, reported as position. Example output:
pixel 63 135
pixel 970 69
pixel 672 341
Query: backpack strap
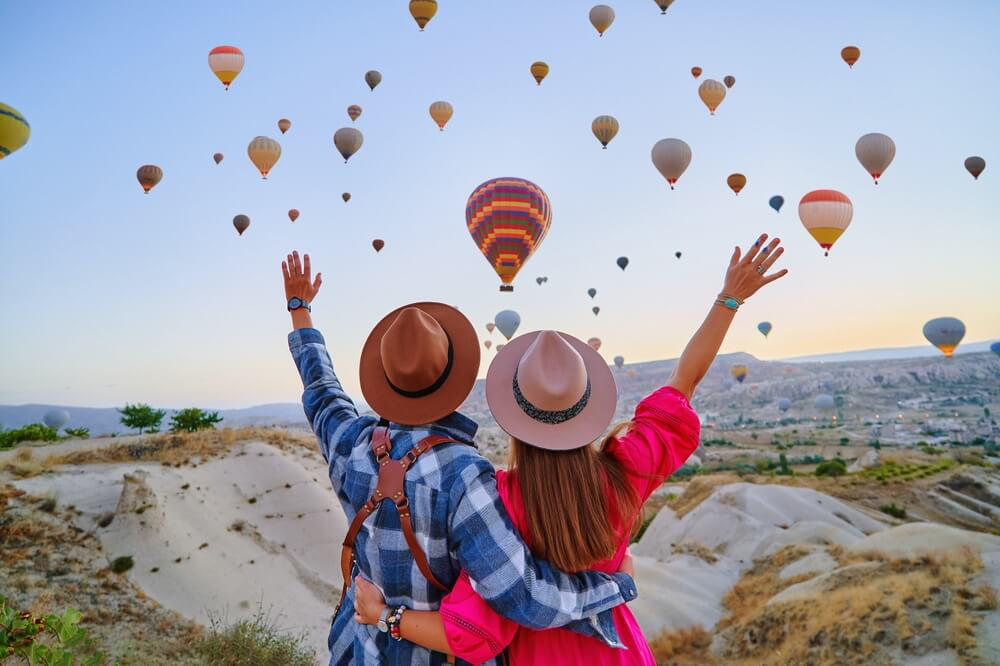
pixel 391 486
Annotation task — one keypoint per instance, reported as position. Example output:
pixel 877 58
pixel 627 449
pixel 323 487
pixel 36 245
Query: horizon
pixel 155 298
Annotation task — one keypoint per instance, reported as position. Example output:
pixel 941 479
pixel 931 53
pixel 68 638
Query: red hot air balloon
pixel 378 244
pixel 507 219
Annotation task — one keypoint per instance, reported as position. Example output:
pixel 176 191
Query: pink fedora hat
pixel 551 390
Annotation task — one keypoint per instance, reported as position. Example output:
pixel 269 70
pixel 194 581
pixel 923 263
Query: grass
pixel 893 510
pixel 254 642
pixel 683 647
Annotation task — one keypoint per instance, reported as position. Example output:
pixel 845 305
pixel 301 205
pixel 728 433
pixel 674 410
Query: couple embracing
pixel 448 560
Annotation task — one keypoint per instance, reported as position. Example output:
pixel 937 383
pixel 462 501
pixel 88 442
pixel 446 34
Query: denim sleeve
pixel 516 585
pixel 329 410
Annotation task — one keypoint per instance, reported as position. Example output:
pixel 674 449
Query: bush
pixel 81 433
pixel 50 641
pixel 835 467
pixel 122 564
pixel 255 641
pixel 34 432
pixel 893 510
pixel 193 419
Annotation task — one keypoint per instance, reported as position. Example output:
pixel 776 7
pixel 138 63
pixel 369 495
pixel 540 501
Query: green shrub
pixel 81 433
pixel 50 641
pixel 34 432
pixel 835 467
pixel 256 641
pixel 893 510
pixel 193 419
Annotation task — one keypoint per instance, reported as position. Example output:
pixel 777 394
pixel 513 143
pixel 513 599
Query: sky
pixel 108 295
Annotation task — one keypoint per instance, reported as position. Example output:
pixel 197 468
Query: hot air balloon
pixel 944 333
pixel 671 158
pixel 149 175
pixel 776 202
pixel 539 280
pixel 875 152
pixel 878 379
pixel 378 244
pixel 729 80
pixel 539 70
pixel 346 196
pixel 677 254
pixel 663 4
pixel 825 402
pixel 284 124
pixel 712 93
pixel 995 348
pixel 619 362
pixel 508 219
pixel 596 310
pixel 739 372
pixel 56 418
pixel 441 113
pixel 264 153
pixel 736 182
pixel 507 321
pixel 975 165
pixel 293 214
pixel 217 157
pixel 14 130
pixel 499 348
pixel 764 327
pixel 353 112
pixel 604 128
pixel 784 404
pixel 226 62
pixel 348 141
pixel 595 343
pixel 825 214
pixel 696 72
pixel 850 54
pixel 241 222
pixel 490 326
pixel 592 292
pixel 488 343
pixel 423 11
pixel 601 17
pixel 622 262
pixel 373 78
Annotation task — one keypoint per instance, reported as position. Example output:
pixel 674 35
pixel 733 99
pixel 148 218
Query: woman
pixel 574 504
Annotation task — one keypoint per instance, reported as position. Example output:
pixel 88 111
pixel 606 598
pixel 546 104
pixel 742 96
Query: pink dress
pixel 664 433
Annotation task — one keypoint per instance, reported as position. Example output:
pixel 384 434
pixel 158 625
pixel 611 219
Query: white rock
pixel 814 587
pixel 816 562
pixel 913 539
pixel 870 459
pixel 807 532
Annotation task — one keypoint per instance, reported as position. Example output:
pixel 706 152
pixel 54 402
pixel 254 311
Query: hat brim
pixel 389 404
pixel 578 431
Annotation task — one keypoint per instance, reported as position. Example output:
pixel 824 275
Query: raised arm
pixel 743 278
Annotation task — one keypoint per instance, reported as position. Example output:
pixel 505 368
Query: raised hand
pixel 298 283
pixel 748 274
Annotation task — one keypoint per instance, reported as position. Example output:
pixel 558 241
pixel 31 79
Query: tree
pixel 141 416
pixel 192 419
pixel 835 467
pixel 783 469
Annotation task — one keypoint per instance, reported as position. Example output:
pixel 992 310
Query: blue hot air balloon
pixel 825 402
pixel 764 327
pixel 995 348
pixel 784 404
pixel 776 202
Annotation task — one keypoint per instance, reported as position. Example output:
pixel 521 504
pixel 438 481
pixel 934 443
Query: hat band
pixel 547 416
pixel 420 393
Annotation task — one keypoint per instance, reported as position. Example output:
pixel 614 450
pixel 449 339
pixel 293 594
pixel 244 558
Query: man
pixel 417 366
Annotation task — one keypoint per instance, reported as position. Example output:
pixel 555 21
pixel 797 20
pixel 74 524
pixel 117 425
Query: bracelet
pixel 729 303
pixel 393 621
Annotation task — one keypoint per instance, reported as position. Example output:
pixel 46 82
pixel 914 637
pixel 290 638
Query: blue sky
pixel 110 296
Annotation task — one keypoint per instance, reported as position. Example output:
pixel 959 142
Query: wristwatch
pixel 381 624
pixel 297 303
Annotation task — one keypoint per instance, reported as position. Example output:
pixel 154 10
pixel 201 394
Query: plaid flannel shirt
pixel 459 521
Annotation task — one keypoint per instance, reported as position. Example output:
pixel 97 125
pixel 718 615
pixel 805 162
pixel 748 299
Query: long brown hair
pixel 577 503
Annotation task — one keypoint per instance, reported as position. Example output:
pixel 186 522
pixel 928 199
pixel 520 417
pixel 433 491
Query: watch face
pixel 295 303
pixel 382 626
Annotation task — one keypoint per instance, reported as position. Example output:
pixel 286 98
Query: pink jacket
pixel 664 433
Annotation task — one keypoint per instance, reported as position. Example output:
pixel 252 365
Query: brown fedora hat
pixel 551 390
pixel 419 363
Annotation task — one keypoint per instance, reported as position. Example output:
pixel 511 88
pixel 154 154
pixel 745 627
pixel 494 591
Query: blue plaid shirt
pixel 459 521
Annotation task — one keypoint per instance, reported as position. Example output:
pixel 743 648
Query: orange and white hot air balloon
pixel 441 113
pixel 264 153
pixel 226 63
pixel 825 214
pixel 712 93
pixel 875 152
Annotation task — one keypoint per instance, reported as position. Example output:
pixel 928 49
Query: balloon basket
pixel 506 287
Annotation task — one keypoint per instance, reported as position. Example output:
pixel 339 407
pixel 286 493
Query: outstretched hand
pixel 748 274
pixel 298 283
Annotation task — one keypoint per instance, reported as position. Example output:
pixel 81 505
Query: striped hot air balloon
pixel 441 113
pixel 264 153
pixel 226 63
pixel 825 214
pixel 507 219
pixel 14 130
pixel 423 11
pixel 148 176
pixel 604 128
pixel 712 93
pixel 539 70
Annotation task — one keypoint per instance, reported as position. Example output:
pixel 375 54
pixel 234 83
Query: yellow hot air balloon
pixel 264 153
pixel 149 175
pixel 825 214
pixel 739 372
pixel 284 124
pixel 875 152
pixel 604 128
pixel 712 93
pixel 850 54
pixel 226 62
pixel 423 11
pixel 601 17
pixel 736 182
pixel 539 70
pixel 441 113
pixel 14 130
pixel 696 72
